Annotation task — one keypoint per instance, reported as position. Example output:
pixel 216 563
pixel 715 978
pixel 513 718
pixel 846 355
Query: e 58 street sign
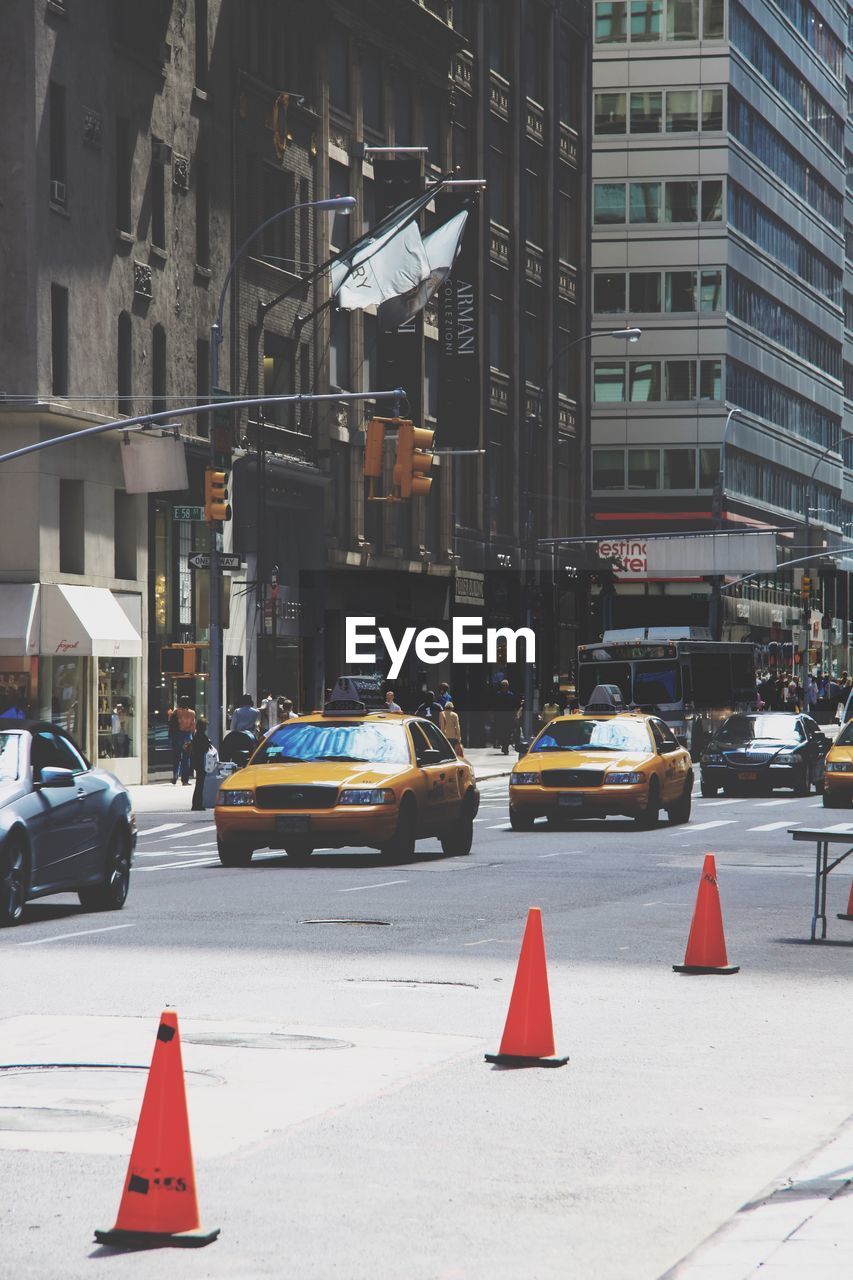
pixel 201 560
pixel 187 513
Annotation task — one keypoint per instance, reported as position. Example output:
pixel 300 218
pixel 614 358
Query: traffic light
pixel 373 448
pixel 216 508
pixel 806 587
pixel 413 460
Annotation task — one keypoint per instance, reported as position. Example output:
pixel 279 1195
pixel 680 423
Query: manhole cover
pixel 263 1040
pixel 56 1120
pixel 334 921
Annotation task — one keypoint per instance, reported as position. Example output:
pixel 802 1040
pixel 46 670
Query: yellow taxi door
pixel 438 765
pixel 671 760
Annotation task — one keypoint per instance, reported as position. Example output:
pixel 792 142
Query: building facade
pixel 718 209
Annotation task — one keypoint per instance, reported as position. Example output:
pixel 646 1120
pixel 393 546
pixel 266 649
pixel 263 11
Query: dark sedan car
pixel 64 826
pixel 763 751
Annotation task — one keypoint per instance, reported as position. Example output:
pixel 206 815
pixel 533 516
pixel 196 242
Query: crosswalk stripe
pixel 775 826
pixel 705 826
pixel 765 804
pixel 195 830
pixel 164 826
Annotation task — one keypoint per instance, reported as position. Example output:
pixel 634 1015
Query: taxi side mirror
pixel 667 748
pixel 431 756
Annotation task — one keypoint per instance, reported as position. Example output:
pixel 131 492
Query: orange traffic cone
pixel 158 1204
pixel 528 1038
pixel 706 946
pixel 848 914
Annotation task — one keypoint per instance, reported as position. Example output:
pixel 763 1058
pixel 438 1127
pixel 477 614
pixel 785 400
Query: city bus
pixel 679 673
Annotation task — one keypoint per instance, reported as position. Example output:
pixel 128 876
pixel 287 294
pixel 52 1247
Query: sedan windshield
pixel 777 728
pixel 10 745
pixel 367 743
pixel 594 735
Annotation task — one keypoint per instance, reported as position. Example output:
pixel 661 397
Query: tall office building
pixel 718 228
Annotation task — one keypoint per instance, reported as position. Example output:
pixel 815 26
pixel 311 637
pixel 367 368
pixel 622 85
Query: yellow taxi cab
pixel 838 770
pixel 348 776
pixel 602 761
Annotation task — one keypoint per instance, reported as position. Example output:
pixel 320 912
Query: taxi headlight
pixel 839 766
pixel 525 779
pixel 230 798
pixel 366 795
pixel 627 779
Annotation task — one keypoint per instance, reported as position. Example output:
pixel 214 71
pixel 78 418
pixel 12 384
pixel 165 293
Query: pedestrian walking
pixel 245 717
pixel 551 708
pixel 390 704
pixel 284 711
pixel 810 695
pixel 506 716
pixel 430 709
pixel 199 746
pixel 451 728
pixel 268 711
pixel 182 724
pixel 444 695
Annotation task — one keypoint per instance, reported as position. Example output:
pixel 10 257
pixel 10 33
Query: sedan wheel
pixel 233 854
pixel 708 789
pixel 111 894
pixel 402 845
pixel 13 881
pixel 456 843
pixel 650 817
pixel 680 811
pixel 520 820
pixel 298 851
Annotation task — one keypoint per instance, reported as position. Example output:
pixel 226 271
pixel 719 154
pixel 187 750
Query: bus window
pixel 743 678
pixel 712 680
pixel 594 673
pixel 687 682
pixel 656 682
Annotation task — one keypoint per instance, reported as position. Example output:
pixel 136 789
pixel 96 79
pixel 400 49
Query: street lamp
pixel 332 204
pixel 627 334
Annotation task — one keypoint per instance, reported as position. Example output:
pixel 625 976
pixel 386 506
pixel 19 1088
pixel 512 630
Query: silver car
pixel 64 826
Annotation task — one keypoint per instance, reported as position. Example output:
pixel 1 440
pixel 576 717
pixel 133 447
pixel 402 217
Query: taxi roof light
pixel 605 699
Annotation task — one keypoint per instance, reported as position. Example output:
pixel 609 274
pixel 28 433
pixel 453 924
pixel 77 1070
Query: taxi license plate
pixel 573 802
pixel 288 822
pixel 747 777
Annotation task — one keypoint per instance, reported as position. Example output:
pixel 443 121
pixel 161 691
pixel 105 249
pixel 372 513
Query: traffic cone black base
pixel 701 968
pixel 118 1239
pixel 515 1060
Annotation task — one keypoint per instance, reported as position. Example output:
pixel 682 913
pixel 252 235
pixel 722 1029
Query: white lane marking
pixel 193 831
pixel 737 800
pixel 60 937
pixel 177 853
pixel 479 819
pixel 839 826
pixel 765 804
pixel 706 826
pixel 480 942
pixel 501 826
pixel 164 826
pixel 775 826
pixel 176 866
pixel 381 885
pixel 559 853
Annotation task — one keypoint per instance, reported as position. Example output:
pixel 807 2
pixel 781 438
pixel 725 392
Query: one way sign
pixel 201 560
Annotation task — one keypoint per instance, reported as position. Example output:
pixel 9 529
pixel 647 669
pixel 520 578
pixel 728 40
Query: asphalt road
pixel 334 1019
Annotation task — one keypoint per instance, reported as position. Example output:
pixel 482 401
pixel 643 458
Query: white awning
pixel 79 621
pixel 19 632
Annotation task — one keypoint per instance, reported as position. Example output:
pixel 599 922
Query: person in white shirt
pixel 390 704
pixel 245 717
pixel 285 711
pixel 269 711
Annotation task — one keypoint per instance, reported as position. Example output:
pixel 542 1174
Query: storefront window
pixel 117 720
pixel 62 694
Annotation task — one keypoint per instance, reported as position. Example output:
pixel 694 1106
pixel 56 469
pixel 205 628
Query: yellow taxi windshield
pixel 593 735
pixel 845 737
pixel 332 740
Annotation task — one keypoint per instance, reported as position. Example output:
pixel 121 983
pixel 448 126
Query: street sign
pixel 187 513
pixel 201 560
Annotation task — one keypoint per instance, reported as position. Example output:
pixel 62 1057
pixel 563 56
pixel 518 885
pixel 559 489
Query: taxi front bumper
pixel 343 825
pixel 618 798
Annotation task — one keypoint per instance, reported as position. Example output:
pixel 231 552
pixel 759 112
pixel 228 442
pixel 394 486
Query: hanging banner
pixel 459 377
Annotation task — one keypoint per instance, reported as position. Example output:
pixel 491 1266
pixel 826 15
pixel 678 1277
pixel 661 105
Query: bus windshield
pixel 656 682
pixel 593 673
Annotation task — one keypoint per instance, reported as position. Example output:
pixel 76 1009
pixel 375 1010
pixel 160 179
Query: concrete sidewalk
pixel 160 796
pixel 800 1227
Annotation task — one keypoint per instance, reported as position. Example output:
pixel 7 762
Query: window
pixel 278 241
pixel 535 43
pixel 122 174
pixel 437 741
pixel 496 174
pixel 644 468
pixel 279 377
pixel 783 243
pixel 339 81
pixel 202 384
pixel 682 20
pixel 610 22
pixel 645 380
pixel 645 20
pixel 59 339
pixel 402 111
pixel 680 379
pixel 609 292
pixel 158 369
pixel 679 468
pixel 56 113
pixel 71 527
pixel 339 184
pixel 644 291
pixel 681 201
pixel 608 382
pixel 713 19
pixel 709 467
pixel 533 191
pixel 124 535
pixel 681 291
pixel 498 319
pixel 711 291
pixel 567 219
pixel 608 469
pixel 712 109
pixel 682 111
pixel 339 362
pixel 202 213
pixel 760 395
pixel 645 201
pixel 609 202
pixel 762 311
pixel 158 201
pixel 712 200
pixel 710 380
pixel 646 112
pixel 496 36
pixel 124 370
pixel 610 113
pixel 201 44
pixel 372 103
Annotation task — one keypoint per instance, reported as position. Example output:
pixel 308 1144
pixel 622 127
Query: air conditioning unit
pixel 57 191
pixel 161 152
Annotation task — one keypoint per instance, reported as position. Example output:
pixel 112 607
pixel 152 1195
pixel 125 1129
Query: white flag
pixel 394 263
pixel 441 246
